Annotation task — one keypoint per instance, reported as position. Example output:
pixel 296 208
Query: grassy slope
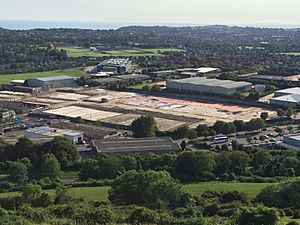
pixel 125 53
pixel 6 78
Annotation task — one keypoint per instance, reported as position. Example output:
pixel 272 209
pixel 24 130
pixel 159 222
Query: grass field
pixel 74 52
pixel 251 189
pixel 101 193
pixel 6 78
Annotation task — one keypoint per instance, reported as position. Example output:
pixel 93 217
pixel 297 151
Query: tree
pixel 150 188
pixel 31 192
pixel 228 128
pixel 280 112
pixel 201 128
pixel 155 88
pixel 255 124
pixel 289 113
pixel 239 124
pixel 290 128
pixel 262 157
pixel 145 126
pixel 218 126
pixel 264 115
pixel 61 194
pixel 193 166
pixel 259 215
pixel 146 88
pixel 64 151
pixel 181 132
pixel 79 120
pixel 51 167
pixel 192 134
pixel 234 144
pixel 18 172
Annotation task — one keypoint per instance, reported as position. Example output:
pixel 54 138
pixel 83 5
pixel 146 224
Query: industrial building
pixel 291 141
pixel 7 115
pixel 120 66
pixel 286 98
pixel 124 79
pixel 288 91
pixel 49 132
pixel 139 145
pixel 208 86
pixel 48 83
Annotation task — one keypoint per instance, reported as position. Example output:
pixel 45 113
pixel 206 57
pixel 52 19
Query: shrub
pixel 211 209
pixel 293 223
pixel 63 211
pixel 143 215
pixel 296 214
pixel 231 196
pixel 99 216
pixel 35 215
pixel 256 216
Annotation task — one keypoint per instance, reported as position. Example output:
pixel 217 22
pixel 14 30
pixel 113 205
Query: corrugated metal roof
pixel 46 79
pixel 161 144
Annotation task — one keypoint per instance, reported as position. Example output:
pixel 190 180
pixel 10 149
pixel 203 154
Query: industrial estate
pixel 150 125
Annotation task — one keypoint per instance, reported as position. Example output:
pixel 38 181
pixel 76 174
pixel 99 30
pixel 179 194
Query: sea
pixel 29 24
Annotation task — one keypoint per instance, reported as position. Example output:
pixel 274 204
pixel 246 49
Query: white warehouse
pixel 208 86
pixel 49 132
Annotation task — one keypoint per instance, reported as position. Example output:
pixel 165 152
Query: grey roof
pixel 134 76
pixel 267 77
pixel 46 79
pixel 212 82
pixel 162 144
pixel 293 98
pixel 295 90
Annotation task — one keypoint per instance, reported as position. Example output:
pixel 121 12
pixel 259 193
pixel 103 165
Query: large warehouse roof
pixel 212 82
pixel 293 98
pixel 162 144
pixel 295 90
pixel 46 79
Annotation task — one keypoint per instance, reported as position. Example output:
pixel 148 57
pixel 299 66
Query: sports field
pixel 78 52
pixel 76 72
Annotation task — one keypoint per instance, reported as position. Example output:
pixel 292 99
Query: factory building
pixel 208 86
pixel 48 83
pixel 49 132
pixel 288 91
pixel 139 145
pixel 120 66
pixel 286 98
pixel 291 142
pixel 7 115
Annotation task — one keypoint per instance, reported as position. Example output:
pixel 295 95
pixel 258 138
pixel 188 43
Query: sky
pixel 239 12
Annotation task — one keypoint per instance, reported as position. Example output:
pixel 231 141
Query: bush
pixel 231 196
pixel 256 216
pixel 35 215
pixel 100 216
pixel 288 212
pixel 211 209
pixel 63 211
pixel 296 214
pixel 143 215
pixel 10 203
pixel 293 223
